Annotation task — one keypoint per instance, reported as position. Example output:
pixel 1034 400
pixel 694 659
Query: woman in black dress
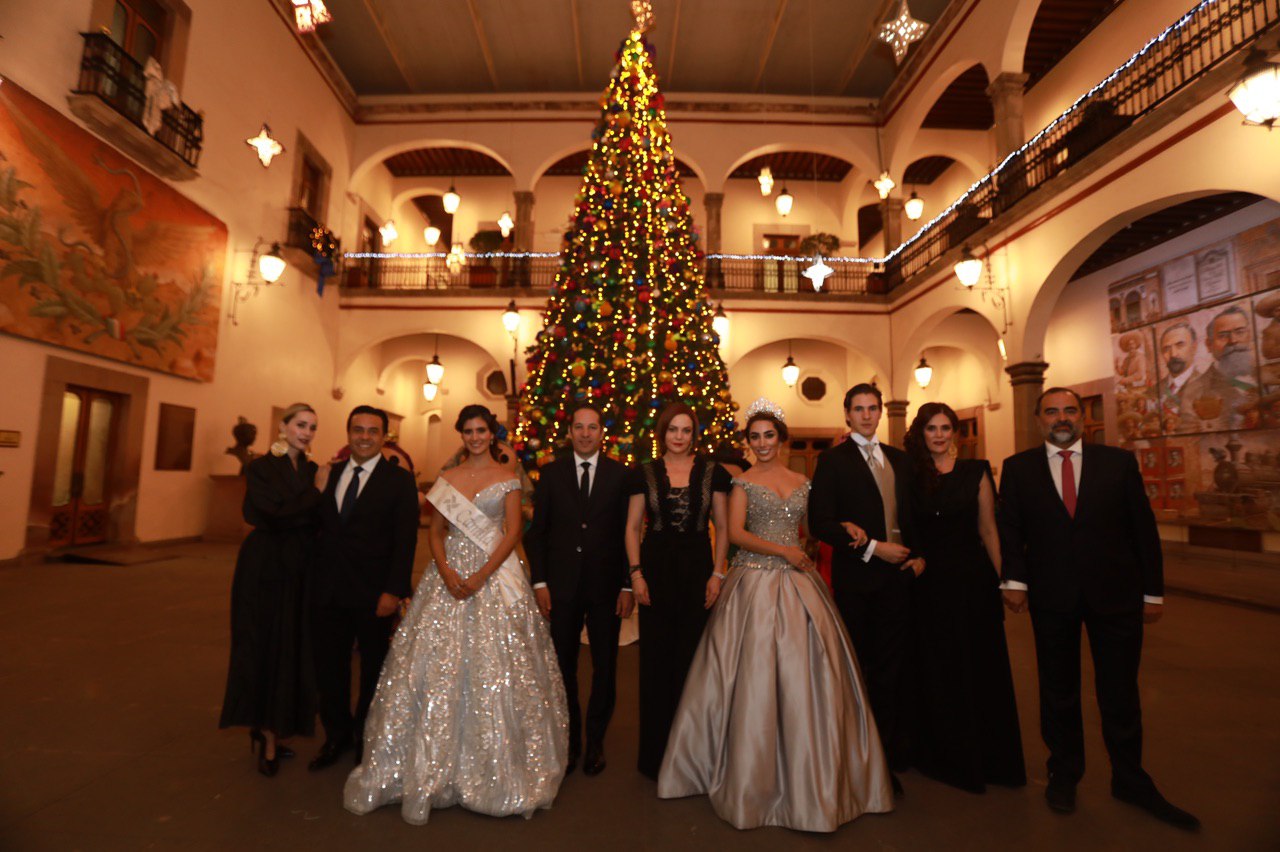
pixel 270 685
pixel 674 576
pixel 965 730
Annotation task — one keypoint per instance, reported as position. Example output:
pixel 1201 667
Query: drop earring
pixel 281 446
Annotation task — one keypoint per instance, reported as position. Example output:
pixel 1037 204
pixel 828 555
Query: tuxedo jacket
pixel 372 552
pixel 844 489
pixel 578 549
pixel 1107 557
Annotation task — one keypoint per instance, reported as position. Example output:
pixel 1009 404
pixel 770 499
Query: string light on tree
pixel 817 273
pixel 901 32
pixel 628 326
pixel 266 145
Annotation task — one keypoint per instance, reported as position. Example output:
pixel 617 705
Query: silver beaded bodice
pixel 773 518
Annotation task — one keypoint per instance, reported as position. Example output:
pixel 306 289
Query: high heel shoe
pixel 282 751
pixel 266 766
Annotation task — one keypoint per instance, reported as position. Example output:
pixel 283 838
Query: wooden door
pixel 804 448
pixel 82 475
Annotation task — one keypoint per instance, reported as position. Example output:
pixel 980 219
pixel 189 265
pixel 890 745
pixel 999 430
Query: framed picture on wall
pixel 175 437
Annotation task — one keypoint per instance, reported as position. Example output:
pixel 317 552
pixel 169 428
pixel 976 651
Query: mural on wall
pixel 98 255
pixel 1196 345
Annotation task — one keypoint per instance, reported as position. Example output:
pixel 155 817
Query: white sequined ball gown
pixel 470 708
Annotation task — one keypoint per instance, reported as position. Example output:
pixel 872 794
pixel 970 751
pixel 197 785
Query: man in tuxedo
pixel 578 565
pixel 1080 547
pixel 864 482
pixel 364 559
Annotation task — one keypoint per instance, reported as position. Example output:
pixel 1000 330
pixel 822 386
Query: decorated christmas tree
pixel 628 326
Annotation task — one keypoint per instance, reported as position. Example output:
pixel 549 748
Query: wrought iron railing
pixel 767 275
pixel 118 80
pixel 1194 45
pixel 299 230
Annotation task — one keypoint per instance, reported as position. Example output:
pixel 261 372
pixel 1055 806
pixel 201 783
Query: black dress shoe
pixel 283 751
pixel 1060 796
pixel 898 792
pixel 575 754
pixel 1158 806
pixel 329 754
pixel 594 762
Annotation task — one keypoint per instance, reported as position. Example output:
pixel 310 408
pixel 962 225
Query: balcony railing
pixel 298 233
pixel 115 77
pixel 1196 44
pixel 724 275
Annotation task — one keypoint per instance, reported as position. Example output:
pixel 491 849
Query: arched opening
pixel 964 105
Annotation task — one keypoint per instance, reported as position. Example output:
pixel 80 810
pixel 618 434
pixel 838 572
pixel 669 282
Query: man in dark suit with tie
pixel 864 482
pixel 364 559
pixel 578 565
pixel 1080 547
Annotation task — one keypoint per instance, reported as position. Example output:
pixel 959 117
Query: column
pixel 1006 92
pixel 513 415
pixel 714 202
pixel 896 409
pixel 523 234
pixel 1027 379
pixel 891 220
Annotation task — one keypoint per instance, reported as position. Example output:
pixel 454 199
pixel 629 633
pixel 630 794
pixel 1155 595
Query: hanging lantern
pixel 924 373
pixel 432 235
pixel 455 259
pixel 720 322
pixel 1257 93
pixel 783 202
pixel 884 184
pixel 267 146
pixel 511 317
pixel 429 391
pixel 766 181
pixel 790 372
pixel 914 208
pixel 505 224
pixel 309 14
pixel 451 200
pixel 968 268
pixel 389 232
pixel 271 265
pixel 901 31
pixel 435 370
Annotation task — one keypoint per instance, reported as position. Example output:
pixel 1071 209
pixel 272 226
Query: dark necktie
pixel 1068 482
pixel 584 484
pixel 349 496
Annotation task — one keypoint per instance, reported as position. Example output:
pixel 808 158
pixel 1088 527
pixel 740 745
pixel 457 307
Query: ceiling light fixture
pixel 505 224
pixel 267 146
pixel 784 202
pixel 901 32
pixel 884 184
pixel 389 232
pixel 914 206
pixel 451 200
pixel 968 268
pixel 924 373
pixel 309 14
pixel 766 181
pixel 720 322
pixel 817 273
pixel 790 372
pixel 432 235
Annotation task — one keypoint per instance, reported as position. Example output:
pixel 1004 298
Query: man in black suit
pixel 861 481
pixel 364 559
pixel 578 565
pixel 1080 546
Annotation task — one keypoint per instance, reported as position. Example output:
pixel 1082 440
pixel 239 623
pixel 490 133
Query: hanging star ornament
pixel 309 14
pixel 817 273
pixel 902 31
pixel 267 146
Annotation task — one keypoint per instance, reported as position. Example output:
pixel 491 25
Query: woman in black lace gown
pixel 674 576
pixel 965 729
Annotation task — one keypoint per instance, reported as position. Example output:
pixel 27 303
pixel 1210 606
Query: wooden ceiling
pixel 926 170
pixel 1059 26
pixel 964 105
pixel 577 161
pixel 795 165
pixel 1162 226
pixel 444 162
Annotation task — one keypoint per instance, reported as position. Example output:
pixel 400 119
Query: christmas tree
pixel 628 326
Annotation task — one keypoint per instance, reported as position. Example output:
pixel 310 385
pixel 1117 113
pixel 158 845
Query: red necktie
pixel 1068 482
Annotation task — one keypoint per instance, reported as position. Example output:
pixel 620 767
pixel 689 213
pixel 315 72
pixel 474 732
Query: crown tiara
pixel 766 406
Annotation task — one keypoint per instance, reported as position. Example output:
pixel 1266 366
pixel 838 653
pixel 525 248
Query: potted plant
pixel 820 243
pixel 481 272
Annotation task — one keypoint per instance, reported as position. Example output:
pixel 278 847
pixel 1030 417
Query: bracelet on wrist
pixel 720 574
pixel 636 569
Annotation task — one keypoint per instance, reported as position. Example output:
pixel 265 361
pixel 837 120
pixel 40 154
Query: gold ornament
pixel 281 446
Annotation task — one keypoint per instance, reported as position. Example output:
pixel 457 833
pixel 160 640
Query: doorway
pixel 87 437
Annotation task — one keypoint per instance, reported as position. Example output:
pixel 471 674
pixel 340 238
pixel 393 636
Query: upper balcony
pixel 139 113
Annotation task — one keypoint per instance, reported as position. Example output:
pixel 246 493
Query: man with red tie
pixel 1080 548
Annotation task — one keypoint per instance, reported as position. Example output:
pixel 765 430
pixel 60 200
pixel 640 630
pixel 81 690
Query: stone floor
pixel 113 676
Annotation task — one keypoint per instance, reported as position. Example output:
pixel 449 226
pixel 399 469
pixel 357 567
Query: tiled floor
pixel 111 678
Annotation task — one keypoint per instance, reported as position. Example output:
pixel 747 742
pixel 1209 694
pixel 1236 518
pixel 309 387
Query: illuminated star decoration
pixel 309 14
pixel 267 146
pixel 817 273
pixel 902 31
pixel 642 11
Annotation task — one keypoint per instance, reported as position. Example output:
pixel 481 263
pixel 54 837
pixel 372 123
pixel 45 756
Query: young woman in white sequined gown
pixel 774 724
pixel 470 708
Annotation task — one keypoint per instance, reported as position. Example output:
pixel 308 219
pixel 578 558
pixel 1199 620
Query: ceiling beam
pixel 484 44
pixel 675 31
pixel 577 38
pixel 768 45
pixel 860 52
pixel 381 26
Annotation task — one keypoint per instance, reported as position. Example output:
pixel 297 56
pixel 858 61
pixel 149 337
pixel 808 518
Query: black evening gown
pixel 677 561
pixel 270 680
pixel 965 730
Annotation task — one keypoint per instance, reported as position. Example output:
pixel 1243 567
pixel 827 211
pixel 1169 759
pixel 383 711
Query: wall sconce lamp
pixel 1257 93
pixel 265 269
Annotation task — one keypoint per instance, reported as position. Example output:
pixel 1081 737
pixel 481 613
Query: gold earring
pixel 281 446
pixel 953 450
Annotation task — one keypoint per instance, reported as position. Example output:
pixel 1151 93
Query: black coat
pixel 579 550
pixel 844 489
pixel 1107 556
pixel 371 553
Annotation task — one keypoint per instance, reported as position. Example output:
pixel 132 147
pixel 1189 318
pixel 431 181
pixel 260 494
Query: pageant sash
pixel 483 533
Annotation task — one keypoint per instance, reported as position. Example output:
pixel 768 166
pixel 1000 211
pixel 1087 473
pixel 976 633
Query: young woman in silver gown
pixel 774 723
pixel 470 707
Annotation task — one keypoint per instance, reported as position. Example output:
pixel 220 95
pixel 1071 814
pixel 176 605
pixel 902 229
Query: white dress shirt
pixel 366 470
pixel 870 448
pixel 1055 471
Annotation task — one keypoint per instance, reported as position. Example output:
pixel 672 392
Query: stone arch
pixel 1014 42
pixel 924 334
pixel 380 155
pixel 862 164
pixel 910 119
pixel 770 338
pixel 429 325
pixel 540 172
